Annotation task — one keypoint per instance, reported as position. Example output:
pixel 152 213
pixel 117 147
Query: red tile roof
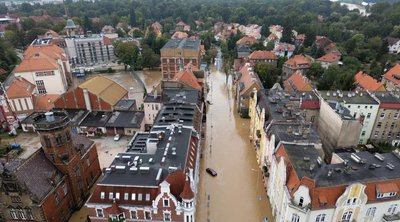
pixel 262 55
pixel 107 41
pixel 393 75
pixel 248 79
pixel 387 188
pixel 299 60
pixel 114 209
pixel 188 78
pixel 36 63
pixel 176 182
pixel 281 47
pixel 247 41
pixel 20 88
pixel 44 102
pixel 330 58
pixel 179 35
pixel 297 82
pixel 187 192
pixel 51 51
pixel 366 82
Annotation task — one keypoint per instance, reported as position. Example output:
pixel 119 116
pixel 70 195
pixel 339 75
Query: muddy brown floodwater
pixel 236 194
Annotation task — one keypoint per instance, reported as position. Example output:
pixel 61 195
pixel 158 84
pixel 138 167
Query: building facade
pixel 177 53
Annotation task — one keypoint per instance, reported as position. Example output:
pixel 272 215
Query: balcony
pixel 391 218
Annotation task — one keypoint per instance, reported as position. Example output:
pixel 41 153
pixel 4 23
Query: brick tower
pixel 72 154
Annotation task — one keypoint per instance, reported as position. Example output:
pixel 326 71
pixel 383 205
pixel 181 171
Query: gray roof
pixel 70 24
pixel 243 48
pixel 177 113
pixel 126 119
pixel 294 132
pixel 96 119
pixel 191 44
pixel 387 97
pixel 348 97
pixel 150 169
pixel 125 105
pixel 180 95
pixel 368 169
pixel 38 174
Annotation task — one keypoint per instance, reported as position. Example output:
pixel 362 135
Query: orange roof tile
pixel 387 188
pixel 259 54
pixel 188 78
pixel 299 60
pixel 20 88
pixel 179 35
pixel 247 40
pixel 366 82
pixel 297 82
pixel 44 102
pixel 248 79
pixel 393 75
pixel 36 63
pixel 51 51
pixel 281 47
pixel 330 57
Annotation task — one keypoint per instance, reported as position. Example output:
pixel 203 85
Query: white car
pixel 117 137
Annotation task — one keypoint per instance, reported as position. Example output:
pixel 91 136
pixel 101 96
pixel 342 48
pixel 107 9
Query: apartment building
pixel 177 53
pixel 90 50
pixel 359 106
pixel 386 127
pixel 45 66
pixel 156 178
pixel 352 187
pixel 298 63
pixel 263 56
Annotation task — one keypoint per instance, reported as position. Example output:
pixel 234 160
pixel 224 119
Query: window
pixel 376 133
pixel 346 217
pixel 371 211
pixel 380 195
pixel 13 214
pixel 392 209
pixel 117 196
pixel 99 212
pixel 355 115
pixel 15 199
pixel 147 215
pixel 57 197
pixel 382 115
pixel 140 197
pixel 102 195
pixel 59 141
pixel 126 196
pixel 390 134
pixel 133 196
pixel 29 214
pixel 167 216
pixel 392 194
pixel 134 214
pixel 320 218
pixel 47 141
pixel 166 203
pixel 147 197
pixel 363 133
pixel 301 201
pixel 379 125
pixel 295 218
pixel 40 86
pixel 21 214
pixel 65 189
pixel 111 195
pixel 156 106
pixel 368 115
pixel 88 161
pixel 396 115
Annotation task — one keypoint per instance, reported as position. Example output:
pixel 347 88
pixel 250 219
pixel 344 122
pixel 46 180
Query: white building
pixel 151 105
pixel 302 188
pixel 393 45
pixel 45 66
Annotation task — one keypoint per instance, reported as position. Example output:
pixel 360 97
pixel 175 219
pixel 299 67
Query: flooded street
pixel 236 194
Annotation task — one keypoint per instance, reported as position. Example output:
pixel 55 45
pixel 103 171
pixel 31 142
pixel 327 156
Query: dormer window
pixel 301 201
pixel 386 190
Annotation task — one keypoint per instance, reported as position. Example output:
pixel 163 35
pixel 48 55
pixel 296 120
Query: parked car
pixel 117 137
pixel 211 172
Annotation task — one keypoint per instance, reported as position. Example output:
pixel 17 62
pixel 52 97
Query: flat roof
pixel 294 132
pixel 126 119
pixel 348 97
pixel 150 168
pixel 186 43
pixel 369 168
pixel 96 119
pixel 125 104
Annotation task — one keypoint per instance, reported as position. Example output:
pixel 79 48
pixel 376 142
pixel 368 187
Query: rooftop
pixel 125 105
pixel 359 167
pixel 259 54
pixel 185 43
pixel 393 75
pixel 50 120
pixel 126 119
pixel 294 132
pixel 348 97
pixel 96 119
pixel 298 82
pixel 367 83
pixel 20 88
pixel 150 157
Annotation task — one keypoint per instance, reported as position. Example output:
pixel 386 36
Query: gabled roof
pixel 187 192
pixel 391 41
pixel 298 60
pixel 108 90
pixel 366 82
pixel 297 82
pixel 44 102
pixel 259 54
pixel 188 78
pixel 179 35
pixel 20 88
pixel 247 40
pixel 36 63
pixel 52 51
pixel 393 75
pixel 38 174
pixel 248 80
pixel 330 58
pixel 282 47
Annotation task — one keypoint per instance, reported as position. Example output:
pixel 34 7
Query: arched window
pixel 301 201
pixel 392 209
pixel 371 211
pixel 295 218
pixel 347 216
pixel 320 218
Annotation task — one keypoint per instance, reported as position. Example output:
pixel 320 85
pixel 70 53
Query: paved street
pixel 236 194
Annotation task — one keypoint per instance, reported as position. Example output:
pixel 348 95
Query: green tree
pixel 28 24
pixel 267 73
pixel 132 17
pixel 127 53
pixel 150 58
pixel 315 71
pixel 270 46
